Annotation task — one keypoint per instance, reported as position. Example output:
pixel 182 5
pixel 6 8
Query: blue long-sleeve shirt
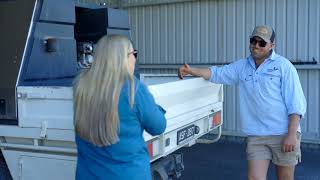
pixel 268 95
pixel 128 158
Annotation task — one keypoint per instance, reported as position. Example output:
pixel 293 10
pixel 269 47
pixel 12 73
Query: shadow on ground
pixel 226 160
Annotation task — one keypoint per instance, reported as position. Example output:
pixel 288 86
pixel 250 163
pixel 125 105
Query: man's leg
pixel 257 169
pixel 258 156
pixel 285 172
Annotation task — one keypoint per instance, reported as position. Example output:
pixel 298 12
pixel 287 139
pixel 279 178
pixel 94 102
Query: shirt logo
pixel 272 69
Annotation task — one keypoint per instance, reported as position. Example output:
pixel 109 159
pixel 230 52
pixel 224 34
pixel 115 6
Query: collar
pixel 273 56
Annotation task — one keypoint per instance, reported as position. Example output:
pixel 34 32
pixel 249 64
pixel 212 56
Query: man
pixel 271 104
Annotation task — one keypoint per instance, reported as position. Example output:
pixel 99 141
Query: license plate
pixel 185 133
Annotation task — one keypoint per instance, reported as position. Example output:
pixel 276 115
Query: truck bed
pixel 45 130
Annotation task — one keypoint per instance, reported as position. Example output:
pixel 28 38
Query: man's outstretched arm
pixel 201 72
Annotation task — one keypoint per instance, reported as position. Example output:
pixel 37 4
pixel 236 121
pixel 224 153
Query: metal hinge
pixel 20 168
pixel 43 132
pixel 31 96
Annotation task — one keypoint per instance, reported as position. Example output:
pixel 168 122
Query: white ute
pixel 53 42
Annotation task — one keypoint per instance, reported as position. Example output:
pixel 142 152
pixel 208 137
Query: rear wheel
pixel 157 176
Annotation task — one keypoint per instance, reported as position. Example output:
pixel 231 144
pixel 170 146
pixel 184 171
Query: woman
pixel 111 110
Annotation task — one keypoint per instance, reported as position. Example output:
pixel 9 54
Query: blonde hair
pixel 97 90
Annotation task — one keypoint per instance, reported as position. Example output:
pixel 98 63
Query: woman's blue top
pixel 128 159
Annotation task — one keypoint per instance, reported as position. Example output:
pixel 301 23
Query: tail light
pixel 153 148
pixel 216 119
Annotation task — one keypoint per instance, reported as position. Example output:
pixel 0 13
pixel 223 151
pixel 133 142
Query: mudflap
pixel 4 171
pixel 168 168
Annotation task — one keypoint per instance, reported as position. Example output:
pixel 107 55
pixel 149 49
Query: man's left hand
pixel 289 143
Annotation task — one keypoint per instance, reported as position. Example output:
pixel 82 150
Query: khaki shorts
pixel 270 148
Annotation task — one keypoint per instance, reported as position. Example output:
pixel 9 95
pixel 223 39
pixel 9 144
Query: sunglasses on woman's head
pixel 135 53
pixel 261 43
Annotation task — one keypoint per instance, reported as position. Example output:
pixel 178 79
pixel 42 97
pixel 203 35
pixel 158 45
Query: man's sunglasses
pixel 261 43
pixel 135 53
